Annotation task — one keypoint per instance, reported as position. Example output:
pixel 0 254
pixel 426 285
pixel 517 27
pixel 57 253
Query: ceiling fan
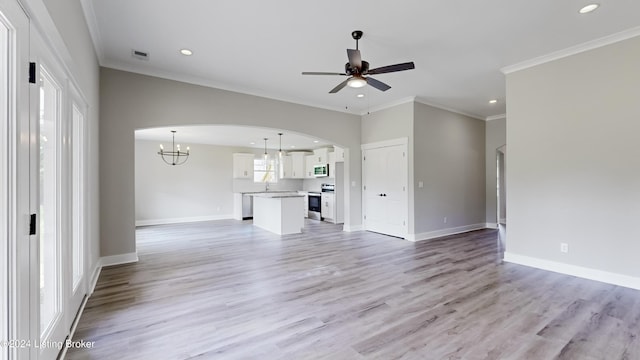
pixel 357 68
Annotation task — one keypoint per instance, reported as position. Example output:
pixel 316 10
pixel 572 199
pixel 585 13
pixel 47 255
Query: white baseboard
pixel 444 232
pixel 351 228
pixel 182 220
pixel 119 259
pixel 491 225
pixel 579 271
pixel 95 274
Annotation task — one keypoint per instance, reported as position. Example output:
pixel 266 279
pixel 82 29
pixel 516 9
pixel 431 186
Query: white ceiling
pixel 225 135
pixel 261 47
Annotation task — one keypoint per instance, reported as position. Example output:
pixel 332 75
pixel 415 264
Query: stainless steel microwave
pixel 321 170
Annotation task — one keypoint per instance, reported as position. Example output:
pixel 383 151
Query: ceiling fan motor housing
pixel 348 69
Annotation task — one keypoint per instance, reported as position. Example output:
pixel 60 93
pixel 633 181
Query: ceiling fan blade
pixel 339 87
pixel 321 73
pixel 377 84
pixel 354 58
pixel 392 68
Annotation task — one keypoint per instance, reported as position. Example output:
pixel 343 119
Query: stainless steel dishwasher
pixel 247 206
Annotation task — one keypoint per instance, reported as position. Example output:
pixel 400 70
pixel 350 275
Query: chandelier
pixel 175 156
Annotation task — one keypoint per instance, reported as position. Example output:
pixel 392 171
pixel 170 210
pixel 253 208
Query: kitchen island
pixel 280 213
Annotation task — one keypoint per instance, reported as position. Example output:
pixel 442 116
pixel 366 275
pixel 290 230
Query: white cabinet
pixel 298 164
pixel 286 168
pixel 308 170
pixel 327 208
pixel 321 156
pixel 294 165
pixel 243 166
pixel 339 154
pixel 306 203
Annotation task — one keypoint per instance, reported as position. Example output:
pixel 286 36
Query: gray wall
pixel 446 153
pixel 388 124
pixel 496 136
pixel 573 170
pixel 449 153
pixel 68 17
pixel 132 101
pixel 201 187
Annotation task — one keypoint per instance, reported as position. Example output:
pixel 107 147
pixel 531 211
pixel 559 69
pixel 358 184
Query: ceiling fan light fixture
pixel 357 82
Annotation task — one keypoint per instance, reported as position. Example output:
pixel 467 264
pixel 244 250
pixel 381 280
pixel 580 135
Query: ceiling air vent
pixel 142 55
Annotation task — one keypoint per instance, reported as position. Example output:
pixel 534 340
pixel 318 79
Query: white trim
pixel 389 105
pixel 444 232
pixel 119 259
pixel 352 228
pixel 95 274
pixel 446 108
pixel 74 326
pixel 574 270
pixel 496 117
pixel 94 29
pixel 182 220
pixel 491 225
pixel 385 143
pixel 589 45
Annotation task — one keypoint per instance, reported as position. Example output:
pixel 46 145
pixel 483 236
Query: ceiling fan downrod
pixel 356 35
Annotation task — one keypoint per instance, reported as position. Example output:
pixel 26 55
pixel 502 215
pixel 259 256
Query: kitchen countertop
pixel 277 195
pixel 268 192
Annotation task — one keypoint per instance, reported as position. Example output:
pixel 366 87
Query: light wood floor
pixel 226 290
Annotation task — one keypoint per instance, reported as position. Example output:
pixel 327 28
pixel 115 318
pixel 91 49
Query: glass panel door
pixel 49 203
pixel 77 216
pixel 4 183
pixel 77 282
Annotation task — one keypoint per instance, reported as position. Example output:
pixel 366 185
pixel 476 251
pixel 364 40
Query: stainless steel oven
pixel 315 201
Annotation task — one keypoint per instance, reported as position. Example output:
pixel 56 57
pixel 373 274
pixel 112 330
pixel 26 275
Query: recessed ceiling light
pixel 493 101
pixel 316 141
pixel 589 8
pixel 252 143
pixel 186 52
pixel 293 146
pixel 360 95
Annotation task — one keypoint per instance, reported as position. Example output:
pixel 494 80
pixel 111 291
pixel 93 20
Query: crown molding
pixel 589 45
pixel 194 80
pixel 496 117
pixel 92 24
pixel 389 105
pixel 442 107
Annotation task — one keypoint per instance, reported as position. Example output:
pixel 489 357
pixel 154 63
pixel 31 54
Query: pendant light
pixel 266 156
pixel 280 154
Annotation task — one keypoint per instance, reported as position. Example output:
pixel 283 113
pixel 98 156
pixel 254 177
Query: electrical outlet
pixel 444 220
pixel 564 247
pixel 420 184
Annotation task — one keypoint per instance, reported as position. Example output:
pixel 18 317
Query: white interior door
pixel 15 241
pixel 385 173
